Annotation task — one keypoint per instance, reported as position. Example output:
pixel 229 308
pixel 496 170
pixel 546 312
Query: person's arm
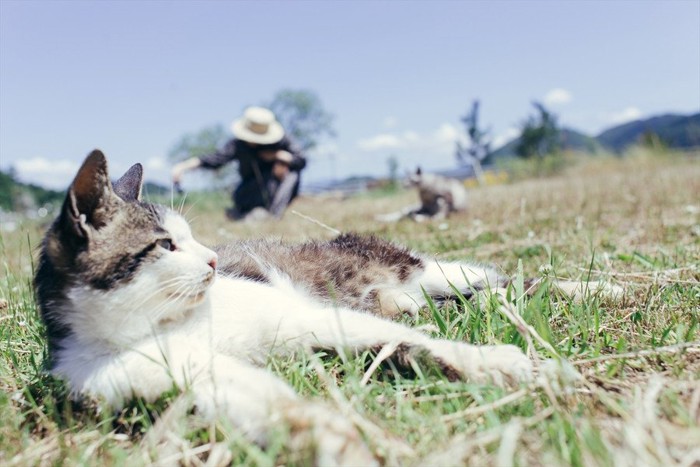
pixel 209 161
pixel 184 166
pixel 290 154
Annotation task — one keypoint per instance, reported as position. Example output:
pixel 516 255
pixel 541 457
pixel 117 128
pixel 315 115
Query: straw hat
pixel 258 125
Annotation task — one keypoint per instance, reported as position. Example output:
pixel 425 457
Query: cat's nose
pixel 212 263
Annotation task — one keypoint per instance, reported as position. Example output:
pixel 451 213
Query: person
pixel 268 162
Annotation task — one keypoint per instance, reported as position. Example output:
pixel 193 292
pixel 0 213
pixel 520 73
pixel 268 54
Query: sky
pixel 132 78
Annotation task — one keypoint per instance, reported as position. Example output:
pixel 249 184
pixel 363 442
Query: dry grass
pixel 627 394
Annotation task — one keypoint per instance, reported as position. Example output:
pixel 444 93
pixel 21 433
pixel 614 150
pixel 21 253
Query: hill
pixel 675 131
pixel 155 189
pixel 18 196
pixel 570 139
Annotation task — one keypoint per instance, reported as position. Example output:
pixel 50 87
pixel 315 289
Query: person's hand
pixel 181 167
pixel 283 156
pixel 177 172
pixel 268 156
pixel 280 170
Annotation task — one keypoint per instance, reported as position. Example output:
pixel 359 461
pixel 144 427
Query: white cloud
pixel 557 96
pixel 431 148
pixel 380 142
pixel 409 140
pixel 156 163
pixel 390 122
pixel 505 137
pixel 623 116
pixel 49 173
pixel 446 133
pixel 410 137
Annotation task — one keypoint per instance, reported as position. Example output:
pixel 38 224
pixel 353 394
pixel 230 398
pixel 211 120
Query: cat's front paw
pixel 502 365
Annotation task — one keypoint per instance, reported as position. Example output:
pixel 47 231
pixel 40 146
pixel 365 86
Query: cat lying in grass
pixel 134 305
pixel 439 198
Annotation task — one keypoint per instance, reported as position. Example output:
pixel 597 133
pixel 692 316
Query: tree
pixel 205 141
pixel 479 142
pixel 392 163
pixel 540 134
pixel 303 117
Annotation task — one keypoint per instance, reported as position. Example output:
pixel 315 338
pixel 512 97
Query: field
pixel 628 394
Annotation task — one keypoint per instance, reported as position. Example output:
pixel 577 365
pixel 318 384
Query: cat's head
pixel 421 180
pixel 114 267
pixel 415 178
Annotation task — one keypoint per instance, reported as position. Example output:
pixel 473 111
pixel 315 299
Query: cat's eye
pixel 167 244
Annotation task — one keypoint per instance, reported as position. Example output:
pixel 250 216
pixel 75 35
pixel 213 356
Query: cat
pixel 439 197
pixel 134 306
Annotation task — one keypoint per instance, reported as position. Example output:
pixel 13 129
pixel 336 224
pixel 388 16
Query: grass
pixel 632 221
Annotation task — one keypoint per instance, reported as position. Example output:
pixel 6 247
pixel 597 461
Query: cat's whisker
pixel 186 213
pixel 182 203
pixel 177 283
pixel 180 295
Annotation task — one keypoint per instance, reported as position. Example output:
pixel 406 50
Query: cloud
pixel 156 163
pixel 410 137
pixel 46 172
pixel 438 145
pixel 446 133
pixel 557 96
pixel 504 138
pixel 390 122
pixel 434 148
pixel 623 116
pixel 380 142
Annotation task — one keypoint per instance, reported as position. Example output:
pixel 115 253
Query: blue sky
pixel 132 77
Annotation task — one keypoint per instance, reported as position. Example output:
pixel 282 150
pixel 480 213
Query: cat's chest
pixel 244 313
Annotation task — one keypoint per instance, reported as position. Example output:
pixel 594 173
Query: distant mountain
pixel 676 131
pixel 19 197
pixel 155 189
pixel 570 140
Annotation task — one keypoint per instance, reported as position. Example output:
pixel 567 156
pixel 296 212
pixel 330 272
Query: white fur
pixel 437 279
pixel 174 324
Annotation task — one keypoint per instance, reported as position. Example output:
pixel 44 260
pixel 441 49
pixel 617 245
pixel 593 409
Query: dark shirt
pixel 248 157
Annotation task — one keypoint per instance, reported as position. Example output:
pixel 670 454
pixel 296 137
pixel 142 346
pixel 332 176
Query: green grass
pixel 633 221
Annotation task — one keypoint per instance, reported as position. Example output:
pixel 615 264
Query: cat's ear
pixel 128 187
pixel 415 177
pixel 90 196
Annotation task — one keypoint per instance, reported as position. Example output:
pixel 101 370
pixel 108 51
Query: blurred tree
pixel 303 117
pixel 539 135
pixel 17 196
pixel 652 140
pixel 205 141
pixel 479 145
pixel 7 188
pixel 392 163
